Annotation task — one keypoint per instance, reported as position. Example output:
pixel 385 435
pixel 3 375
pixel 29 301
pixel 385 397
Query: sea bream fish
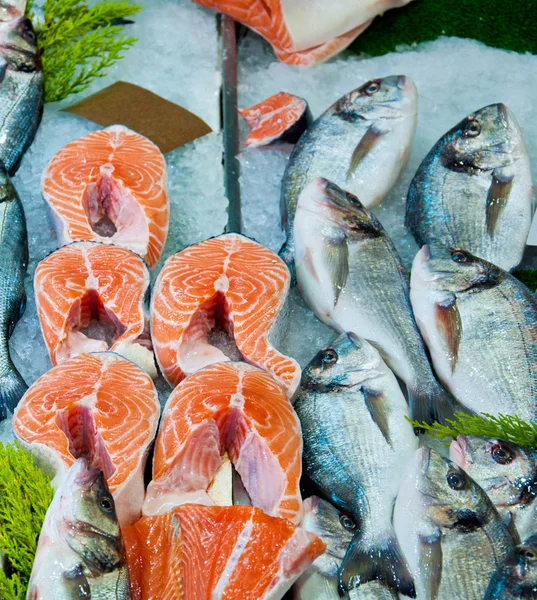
pixel 356 444
pixel 516 577
pixel 474 190
pixel 13 263
pixel 480 325
pixel 506 472
pixel 360 143
pixel 80 553
pixel 351 276
pixel 21 89
pixel 452 536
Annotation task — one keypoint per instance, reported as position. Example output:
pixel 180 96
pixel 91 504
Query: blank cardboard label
pixel 166 124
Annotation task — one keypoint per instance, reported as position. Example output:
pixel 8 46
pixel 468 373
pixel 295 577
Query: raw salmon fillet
pixel 90 298
pixel 110 186
pixel 216 553
pixel 97 405
pixel 228 280
pixel 231 407
pixel 282 117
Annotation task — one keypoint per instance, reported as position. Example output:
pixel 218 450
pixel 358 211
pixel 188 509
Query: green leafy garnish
pixel 25 495
pixel 528 277
pixel 508 428
pixel 78 43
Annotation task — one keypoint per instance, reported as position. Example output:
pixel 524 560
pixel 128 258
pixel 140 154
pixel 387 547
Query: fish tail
pixel 366 562
pixel 287 254
pixel 12 389
pixel 435 404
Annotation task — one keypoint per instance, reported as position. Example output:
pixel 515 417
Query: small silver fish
pixel 480 325
pixel 473 190
pixel 361 143
pixel 356 444
pixel 451 535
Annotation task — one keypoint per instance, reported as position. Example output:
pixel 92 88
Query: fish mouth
pixel 459 451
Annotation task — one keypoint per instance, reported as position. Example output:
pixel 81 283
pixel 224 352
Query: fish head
pixel 348 362
pixel 11 9
pixel 506 472
pixel 18 45
pixel 391 97
pixel 488 139
pixel 90 522
pixel 452 270
pixel 518 573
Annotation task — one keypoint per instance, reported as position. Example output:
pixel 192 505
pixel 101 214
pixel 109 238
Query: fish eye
pixel 472 129
pixel 353 199
pixel 329 356
pixel 455 479
pixel 502 454
pixel 347 523
pixel 106 504
pixel 372 88
pixel 29 36
pixel 529 553
pixel 458 256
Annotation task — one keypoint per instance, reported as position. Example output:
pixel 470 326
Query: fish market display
pixel 516 577
pixel 506 472
pixel 305 32
pixel 356 445
pixel 360 143
pixel 280 118
pixel 90 298
pixel 336 530
pixel 110 186
pixel 351 276
pixel 217 552
pixel 452 536
pixel 231 407
pixel 13 262
pixel 480 325
pixel 21 84
pixel 229 281
pixel 80 552
pixel 474 191
pixel 99 405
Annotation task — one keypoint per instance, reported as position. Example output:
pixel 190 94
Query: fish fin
pixel 497 198
pixel 435 404
pixel 12 389
pixel 364 147
pixel 377 405
pixel 287 254
pixel 430 563
pixel 77 583
pixel 336 257
pixel 450 327
pixel 385 563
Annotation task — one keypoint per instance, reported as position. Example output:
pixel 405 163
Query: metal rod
pixel 231 125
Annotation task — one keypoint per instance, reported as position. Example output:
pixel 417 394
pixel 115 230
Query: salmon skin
pixel 229 281
pixel 217 553
pixel 305 32
pixel 231 407
pixel 110 186
pixel 91 297
pixel 280 118
pixel 96 405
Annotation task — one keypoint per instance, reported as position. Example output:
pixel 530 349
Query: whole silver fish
pixel 451 535
pixel 516 578
pixel 21 90
pixel 361 143
pixel 336 530
pixel 474 191
pixel 480 325
pixel 351 276
pixel 80 553
pixel 506 472
pixel 13 262
pixel 356 444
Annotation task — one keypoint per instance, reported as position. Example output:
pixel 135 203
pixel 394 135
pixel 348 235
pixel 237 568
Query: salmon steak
pixel 92 297
pixel 110 186
pixel 231 407
pixel 216 553
pixel 100 406
pixel 228 281
pixel 305 32
pixel 280 118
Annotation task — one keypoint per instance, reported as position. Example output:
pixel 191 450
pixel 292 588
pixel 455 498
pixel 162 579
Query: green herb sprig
pixel 25 495
pixel 79 43
pixel 508 428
